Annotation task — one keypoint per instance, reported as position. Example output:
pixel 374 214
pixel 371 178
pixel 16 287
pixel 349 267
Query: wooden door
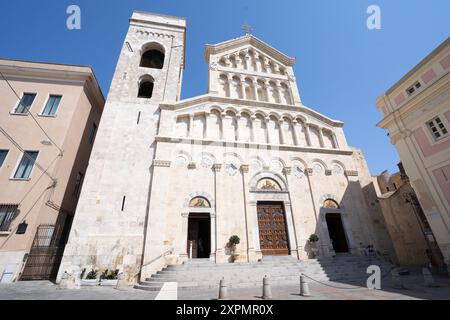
pixel 272 229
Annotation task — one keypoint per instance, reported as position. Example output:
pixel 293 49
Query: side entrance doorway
pixel 272 228
pixel 337 232
pixel 199 235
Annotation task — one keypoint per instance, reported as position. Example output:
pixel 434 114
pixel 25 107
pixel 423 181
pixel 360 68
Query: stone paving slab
pixel 414 284
pixel 45 290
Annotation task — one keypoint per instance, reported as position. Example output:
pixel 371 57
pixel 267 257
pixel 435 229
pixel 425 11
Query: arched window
pixel 330 204
pixel 267 184
pixel 146 88
pixel 199 202
pixel 153 56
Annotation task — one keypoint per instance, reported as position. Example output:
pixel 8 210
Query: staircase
pixel 282 270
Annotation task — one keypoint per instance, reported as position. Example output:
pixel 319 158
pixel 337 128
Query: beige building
pixel 411 235
pixel 173 179
pixel 49 115
pixel 416 113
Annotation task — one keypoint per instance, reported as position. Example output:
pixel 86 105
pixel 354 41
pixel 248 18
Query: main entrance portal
pixel 337 233
pixel 272 228
pixel 199 235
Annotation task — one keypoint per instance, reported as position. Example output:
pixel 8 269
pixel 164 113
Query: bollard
pixel 267 292
pixel 63 284
pixel 304 287
pixel 223 290
pixel 396 280
pixel 428 278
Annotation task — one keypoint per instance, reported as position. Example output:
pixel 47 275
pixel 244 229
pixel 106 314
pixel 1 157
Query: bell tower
pixel 151 62
pixel 109 224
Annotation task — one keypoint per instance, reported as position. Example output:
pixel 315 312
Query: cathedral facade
pixel 171 179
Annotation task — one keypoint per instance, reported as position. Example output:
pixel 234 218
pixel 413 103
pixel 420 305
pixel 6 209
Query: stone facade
pixel 416 113
pixel 154 156
pixel 412 237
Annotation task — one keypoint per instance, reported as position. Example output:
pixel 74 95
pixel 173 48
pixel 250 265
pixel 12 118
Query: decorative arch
pixel 297 159
pixel 203 195
pixel 209 156
pixel 186 155
pixel 268 184
pixel 232 109
pixel 325 167
pixel 301 118
pixel 258 158
pixel 260 113
pixel 245 112
pixel 152 55
pixel 338 163
pixel 287 116
pixel 233 157
pixel 215 108
pixel 283 163
pixel 199 202
pixel 274 115
pixel 331 204
pixel 267 175
pixel 330 197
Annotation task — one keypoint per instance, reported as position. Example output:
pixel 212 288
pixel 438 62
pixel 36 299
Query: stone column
pixel 308 135
pixel 219 254
pixel 191 125
pixel 252 132
pixel 335 142
pixel 206 128
pixel 276 68
pixel 238 124
pixel 322 144
pixel 222 126
pixel 253 219
pixel 290 218
pixel 248 222
pixel 295 128
pixel 282 138
pixel 267 120
pixel 295 94
pixel 183 249
pixel 212 255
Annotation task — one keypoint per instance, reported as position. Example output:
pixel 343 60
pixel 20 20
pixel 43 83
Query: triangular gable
pixel 248 40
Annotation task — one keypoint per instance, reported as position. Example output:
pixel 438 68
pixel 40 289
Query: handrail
pixel 170 251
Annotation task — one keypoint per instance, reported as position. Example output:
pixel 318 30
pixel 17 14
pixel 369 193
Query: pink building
pixel 49 114
pixel 416 113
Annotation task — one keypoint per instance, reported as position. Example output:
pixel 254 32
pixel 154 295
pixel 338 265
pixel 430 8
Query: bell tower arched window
pixel 146 86
pixel 153 56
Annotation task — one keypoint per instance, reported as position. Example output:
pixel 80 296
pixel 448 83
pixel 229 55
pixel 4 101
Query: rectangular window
pixel 52 105
pixel 78 182
pixel 7 214
pixel 413 88
pixel 3 154
pixel 26 165
pixel 25 103
pixel 437 128
pixel 92 133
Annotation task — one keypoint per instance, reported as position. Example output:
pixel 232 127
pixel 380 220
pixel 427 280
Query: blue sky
pixel 342 67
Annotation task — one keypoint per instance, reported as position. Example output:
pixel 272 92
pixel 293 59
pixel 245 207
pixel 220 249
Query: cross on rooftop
pixel 247 28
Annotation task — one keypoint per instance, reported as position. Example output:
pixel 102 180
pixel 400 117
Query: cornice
pixel 249 103
pixel 430 95
pixel 252 145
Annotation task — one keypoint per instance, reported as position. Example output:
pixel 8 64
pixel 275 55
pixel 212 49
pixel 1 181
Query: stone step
pixel 285 270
